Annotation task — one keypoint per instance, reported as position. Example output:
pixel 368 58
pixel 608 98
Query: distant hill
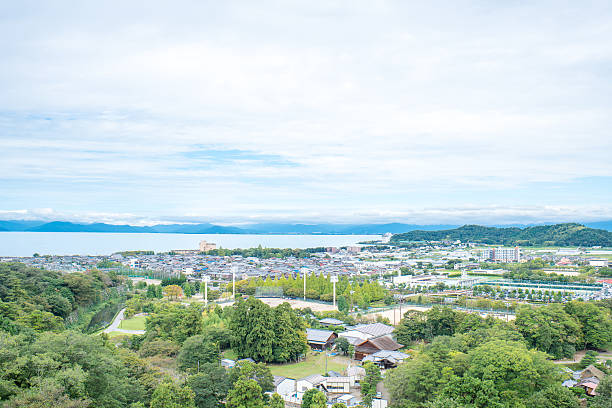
pixel 569 234
pixel 416 232
pixel 207 228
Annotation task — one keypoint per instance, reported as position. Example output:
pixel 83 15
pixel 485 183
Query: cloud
pixel 242 108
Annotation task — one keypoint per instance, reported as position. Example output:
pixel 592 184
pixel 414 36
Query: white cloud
pixel 378 106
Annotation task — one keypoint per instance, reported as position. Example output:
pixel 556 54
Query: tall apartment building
pixel 502 254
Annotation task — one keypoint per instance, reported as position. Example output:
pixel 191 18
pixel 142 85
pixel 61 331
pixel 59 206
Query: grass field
pixel 314 364
pixel 134 323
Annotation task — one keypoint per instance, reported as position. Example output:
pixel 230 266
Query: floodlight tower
pixel 333 280
pixel 206 279
pixel 234 282
pixel 304 273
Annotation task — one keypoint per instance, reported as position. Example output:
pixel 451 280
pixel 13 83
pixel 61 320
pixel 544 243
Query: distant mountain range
pixel 569 234
pixel 206 228
pixel 258 228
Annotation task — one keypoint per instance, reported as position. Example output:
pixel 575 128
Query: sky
pixel 301 111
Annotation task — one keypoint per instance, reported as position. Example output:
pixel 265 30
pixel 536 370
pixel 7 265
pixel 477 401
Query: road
pixel 114 327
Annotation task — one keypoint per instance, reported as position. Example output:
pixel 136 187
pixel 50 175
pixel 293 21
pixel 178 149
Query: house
pixel 330 321
pixel 338 385
pixel 227 363
pixel 374 329
pixel 320 339
pixel 356 374
pixel 592 371
pixel 373 345
pixel 379 403
pixel 284 385
pixel 590 378
pixel 386 358
pixel 312 381
pixel 348 400
pixel 589 384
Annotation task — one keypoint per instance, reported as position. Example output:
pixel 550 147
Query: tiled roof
pixel 374 329
pixel 318 336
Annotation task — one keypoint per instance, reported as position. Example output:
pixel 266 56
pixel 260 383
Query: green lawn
pixel 229 353
pixel 314 364
pixel 133 323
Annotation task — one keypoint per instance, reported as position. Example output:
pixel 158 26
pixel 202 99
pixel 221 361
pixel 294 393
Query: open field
pixel 133 323
pixel 295 303
pixel 314 364
pixel 395 316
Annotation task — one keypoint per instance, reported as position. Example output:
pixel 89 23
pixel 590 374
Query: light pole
pixel 304 273
pixel 234 282
pixel 333 280
pixel 206 279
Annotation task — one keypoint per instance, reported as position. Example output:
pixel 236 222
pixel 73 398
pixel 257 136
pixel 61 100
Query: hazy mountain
pixel 257 228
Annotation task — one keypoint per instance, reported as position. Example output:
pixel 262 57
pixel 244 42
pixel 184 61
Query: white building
pixel 502 254
pixel 598 263
pixel 207 246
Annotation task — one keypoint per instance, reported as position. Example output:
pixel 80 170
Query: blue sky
pixel 342 111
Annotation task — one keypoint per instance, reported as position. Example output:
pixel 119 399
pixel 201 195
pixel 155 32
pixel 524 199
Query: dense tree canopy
pixel 267 334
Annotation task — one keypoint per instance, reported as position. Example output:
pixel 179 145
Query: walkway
pixel 114 327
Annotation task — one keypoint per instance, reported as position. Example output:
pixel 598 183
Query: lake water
pixel 92 243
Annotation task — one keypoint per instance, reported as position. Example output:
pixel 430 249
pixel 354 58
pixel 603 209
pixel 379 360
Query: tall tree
pixel 171 395
pixel 245 394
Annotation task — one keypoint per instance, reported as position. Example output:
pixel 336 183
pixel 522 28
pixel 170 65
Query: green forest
pixel 569 234
pixel 52 353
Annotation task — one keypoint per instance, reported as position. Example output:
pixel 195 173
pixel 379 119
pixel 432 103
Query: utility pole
pixel 304 273
pixel 206 279
pixel 334 279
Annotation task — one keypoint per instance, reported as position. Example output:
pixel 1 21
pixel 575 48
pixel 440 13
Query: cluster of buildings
pixel 372 342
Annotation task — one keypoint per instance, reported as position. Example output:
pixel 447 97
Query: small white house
pixel 284 385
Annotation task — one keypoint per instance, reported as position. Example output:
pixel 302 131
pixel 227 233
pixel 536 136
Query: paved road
pixel 114 327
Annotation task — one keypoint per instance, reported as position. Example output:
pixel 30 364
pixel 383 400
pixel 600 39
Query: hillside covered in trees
pixel 569 234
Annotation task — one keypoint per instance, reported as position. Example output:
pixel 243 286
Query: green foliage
pixel 590 357
pixel 43 300
pixel 479 368
pixel 245 394
pixel 174 322
pixel 595 322
pixel 258 372
pixel 368 385
pixel 276 401
pixel 338 405
pixel 266 253
pixel 550 235
pixel 69 366
pixel 308 398
pixel 604 399
pixel 197 350
pixel 210 386
pixel 549 329
pixel 555 396
pixel 267 334
pixel 171 395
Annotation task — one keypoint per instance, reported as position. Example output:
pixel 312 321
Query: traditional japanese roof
pixel 314 379
pixel 374 329
pixel 318 336
pixel 592 371
pixel 389 355
pixel 371 346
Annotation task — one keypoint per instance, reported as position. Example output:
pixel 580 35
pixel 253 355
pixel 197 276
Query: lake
pixel 93 243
